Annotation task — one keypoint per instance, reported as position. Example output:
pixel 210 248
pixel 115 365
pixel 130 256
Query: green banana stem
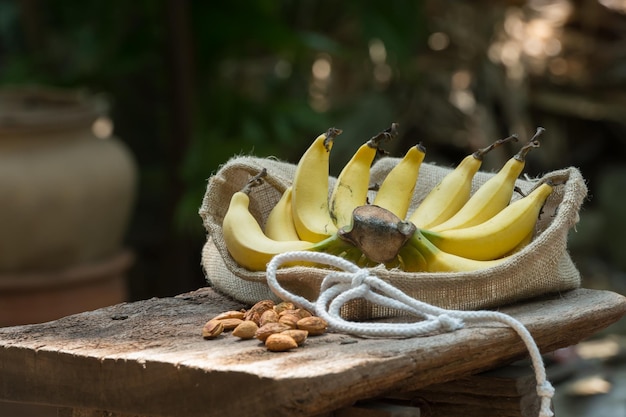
pixel 411 258
pixel 353 255
pixel 395 263
pixel 333 245
pixel 422 245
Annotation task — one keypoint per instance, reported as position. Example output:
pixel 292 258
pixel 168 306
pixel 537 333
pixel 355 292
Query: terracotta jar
pixel 66 199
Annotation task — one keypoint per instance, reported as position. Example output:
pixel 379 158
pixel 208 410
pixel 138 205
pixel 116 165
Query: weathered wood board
pixel 149 358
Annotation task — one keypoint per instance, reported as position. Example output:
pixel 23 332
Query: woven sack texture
pixel 544 266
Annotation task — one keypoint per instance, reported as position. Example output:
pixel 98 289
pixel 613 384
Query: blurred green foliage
pixel 247 66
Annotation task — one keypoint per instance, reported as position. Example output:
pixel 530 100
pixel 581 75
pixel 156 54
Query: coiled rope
pixel 351 282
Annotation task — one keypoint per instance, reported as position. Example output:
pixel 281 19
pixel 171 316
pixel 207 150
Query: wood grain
pixel 149 358
pixel 509 391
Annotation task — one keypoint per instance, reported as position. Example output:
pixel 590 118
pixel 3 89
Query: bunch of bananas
pixel 451 229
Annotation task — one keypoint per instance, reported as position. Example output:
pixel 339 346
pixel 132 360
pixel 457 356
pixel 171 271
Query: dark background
pixel 192 83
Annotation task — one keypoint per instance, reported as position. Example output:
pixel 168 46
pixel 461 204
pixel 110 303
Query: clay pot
pixel 27 298
pixel 66 194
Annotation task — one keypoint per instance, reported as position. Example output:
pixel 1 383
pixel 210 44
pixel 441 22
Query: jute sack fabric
pixel 542 267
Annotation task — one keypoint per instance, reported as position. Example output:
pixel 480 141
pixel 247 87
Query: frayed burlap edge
pixel 544 266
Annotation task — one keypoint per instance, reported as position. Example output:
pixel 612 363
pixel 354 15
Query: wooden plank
pixel 378 409
pixel 8 409
pixel 83 412
pixel 148 358
pixel 505 392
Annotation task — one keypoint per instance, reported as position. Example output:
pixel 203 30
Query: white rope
pixel 351 282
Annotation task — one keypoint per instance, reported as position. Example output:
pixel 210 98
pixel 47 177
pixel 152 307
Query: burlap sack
pixel 544 266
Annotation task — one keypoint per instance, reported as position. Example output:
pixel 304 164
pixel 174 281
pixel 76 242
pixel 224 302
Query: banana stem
pixel 538 133
pixel 519 191
pixel 411 258
pixel 331 134
pixel 521 155
pixel 353 255
pixel 332 244
pixel 479 154
pixel 254 181
pixel 384 136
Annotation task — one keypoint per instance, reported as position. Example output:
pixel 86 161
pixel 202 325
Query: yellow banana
pixel 397 188
pixel 523 243
pixel 434 259
pixel 452 192
pixel 309 200
pixel 498 235
pixel 279 223
pixel 493 195
pixel 247 243
pixel 350 190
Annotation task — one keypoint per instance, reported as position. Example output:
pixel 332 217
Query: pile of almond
pixel 280 327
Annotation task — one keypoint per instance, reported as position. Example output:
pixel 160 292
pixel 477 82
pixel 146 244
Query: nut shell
pixel 282 306
pixel 280 342
pixel 268 329
pixel 245 330
pixel 232 314
pixel 212 329
pixel 255 312
pixel 290 320
pixel 314 325
pixel 298 335
pixel 268 316
pixel 230 324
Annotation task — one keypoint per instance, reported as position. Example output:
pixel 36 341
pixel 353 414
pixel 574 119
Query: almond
pixel 245 330
pixel 285 305
pixel 303 313
pixel 290 311
pixel 280 342
pixel 230 324
pixel 298 335
pixel 212 329
pixel 255 312
pixel 289 320
pixel 230 315
pixel 300 312
pixel 268 316
pixel 314 325
pixel 268 329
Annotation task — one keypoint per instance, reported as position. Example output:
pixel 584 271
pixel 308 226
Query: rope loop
pixel 349 282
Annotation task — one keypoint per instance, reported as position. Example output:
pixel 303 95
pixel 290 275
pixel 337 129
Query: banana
pixel 523 243
pixel 452 192
pixel 397 188
pixel 353 254
pixel 412 259
pixel 279 223
pixel 433 259
pixel 245 240
pixel 493 195
pixel 497 236
pixel 309 200
pixel 350 190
